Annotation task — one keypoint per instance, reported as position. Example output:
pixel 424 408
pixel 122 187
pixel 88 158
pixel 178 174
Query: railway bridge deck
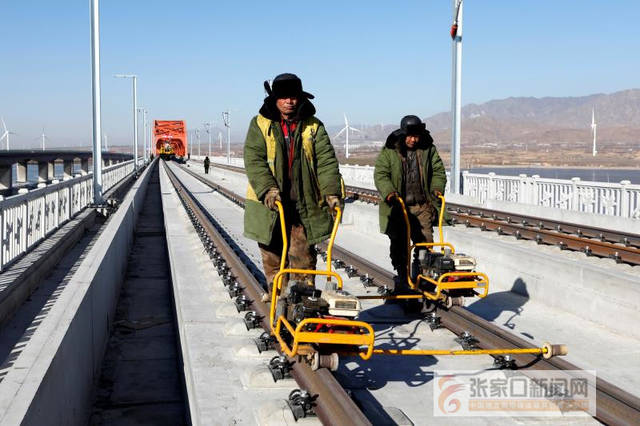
pixel 55 368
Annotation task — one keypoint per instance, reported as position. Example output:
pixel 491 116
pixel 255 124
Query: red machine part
pixel 171 133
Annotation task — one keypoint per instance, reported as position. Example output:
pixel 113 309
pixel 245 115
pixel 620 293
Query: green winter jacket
pixel 388 176
pixel 316 177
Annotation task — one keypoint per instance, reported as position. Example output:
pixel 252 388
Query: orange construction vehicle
pixel 170 139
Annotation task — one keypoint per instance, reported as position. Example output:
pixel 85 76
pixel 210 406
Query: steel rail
pixel 333 405
pixel 623 247
pixel 613 405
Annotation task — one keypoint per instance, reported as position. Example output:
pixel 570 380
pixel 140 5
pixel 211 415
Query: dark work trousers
pixel 300 254
pixel 421 219
pixel 206 170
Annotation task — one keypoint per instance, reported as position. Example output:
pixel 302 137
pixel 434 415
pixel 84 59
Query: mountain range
pixel 547 120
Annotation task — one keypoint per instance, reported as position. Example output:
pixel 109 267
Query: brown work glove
pixel 392 197
pixel 437 193
pixel 271 197
pixel 333 201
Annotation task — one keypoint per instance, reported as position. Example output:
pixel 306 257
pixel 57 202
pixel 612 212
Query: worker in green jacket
pixel 288 157
pixel 409 166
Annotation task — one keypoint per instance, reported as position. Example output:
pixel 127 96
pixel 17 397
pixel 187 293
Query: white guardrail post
pixel 625 206
pixel 28 218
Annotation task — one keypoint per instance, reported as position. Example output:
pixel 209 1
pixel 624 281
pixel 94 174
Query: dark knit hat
pixel 286 85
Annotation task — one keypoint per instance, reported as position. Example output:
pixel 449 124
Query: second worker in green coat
pixel 408 166
pixel 288 157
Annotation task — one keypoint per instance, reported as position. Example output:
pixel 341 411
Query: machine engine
pixel 305 301
pixel 435 264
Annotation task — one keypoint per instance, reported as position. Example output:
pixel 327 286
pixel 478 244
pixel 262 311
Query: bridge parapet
pixel 27 218
pixel 612 199
pixel 13 165
pixel 605 198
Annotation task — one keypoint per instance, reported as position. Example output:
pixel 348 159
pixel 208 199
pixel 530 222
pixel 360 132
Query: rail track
pixel 623 247
pixel 332 404
pixel 614 405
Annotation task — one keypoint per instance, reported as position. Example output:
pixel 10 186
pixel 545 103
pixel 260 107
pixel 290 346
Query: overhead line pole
pixel 95 83
pixel 198 139
pixel 456 95
pixel 147 136
pixel 152 148
pixel 135 122
pixel 208 125
pixel 226 117
pixel 135 115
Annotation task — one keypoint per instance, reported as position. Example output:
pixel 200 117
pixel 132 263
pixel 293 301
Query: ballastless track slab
pixel 332 405
pixel 614 406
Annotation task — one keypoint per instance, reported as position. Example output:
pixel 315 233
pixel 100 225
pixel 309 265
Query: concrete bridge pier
pixel 45 172
pixel 21 172
pixel 67 169
pixel 6 177
pixel 84 166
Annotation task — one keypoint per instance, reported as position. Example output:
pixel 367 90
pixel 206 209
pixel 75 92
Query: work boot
pixel 266 297
pixel 399 287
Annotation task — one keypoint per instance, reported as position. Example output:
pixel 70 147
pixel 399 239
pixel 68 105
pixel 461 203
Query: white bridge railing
pixel 28 218
pixel 612 199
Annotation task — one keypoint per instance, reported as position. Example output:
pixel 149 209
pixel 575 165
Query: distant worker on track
pixel 288 157
pixel 207 163
pixel 408 166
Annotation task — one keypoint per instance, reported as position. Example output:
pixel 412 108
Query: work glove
pixel 437 193
pixel 392 197
pixel 333 201
pixel 271 197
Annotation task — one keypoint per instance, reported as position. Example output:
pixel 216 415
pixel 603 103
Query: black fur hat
pixel 286 85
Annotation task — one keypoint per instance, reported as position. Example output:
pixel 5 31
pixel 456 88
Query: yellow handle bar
pixel 285 242
pixel 277 281
pixel 410 247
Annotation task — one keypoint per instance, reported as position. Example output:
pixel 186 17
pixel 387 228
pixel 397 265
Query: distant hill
pixel 546 120
pixel 528 120
pixel 612 110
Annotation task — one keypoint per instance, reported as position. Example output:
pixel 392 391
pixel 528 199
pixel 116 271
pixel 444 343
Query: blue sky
pixel 374 60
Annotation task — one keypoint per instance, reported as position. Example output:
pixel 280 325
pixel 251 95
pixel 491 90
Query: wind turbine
pixel 44 138
pixel 346 129
pixel 593 129
pixel 5 133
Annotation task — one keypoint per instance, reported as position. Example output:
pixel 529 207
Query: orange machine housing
pixel 170 138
